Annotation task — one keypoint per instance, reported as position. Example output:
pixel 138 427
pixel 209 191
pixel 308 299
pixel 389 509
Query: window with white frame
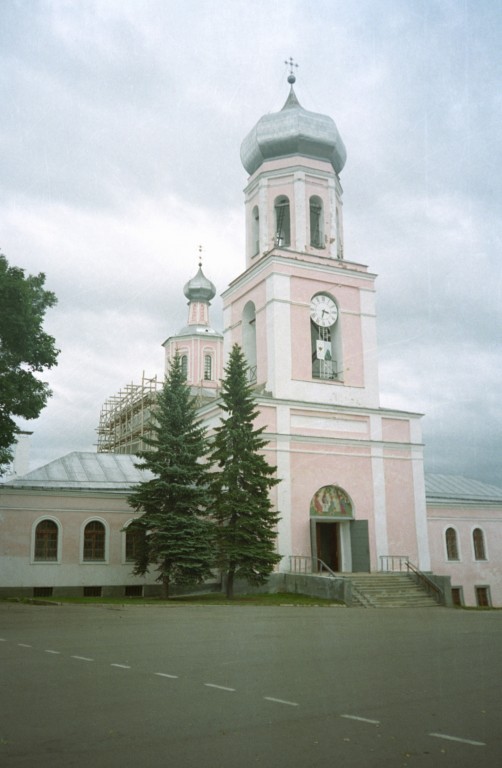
pixel 451 541
pixel 46 541
pixel 478 542
pixel 94 542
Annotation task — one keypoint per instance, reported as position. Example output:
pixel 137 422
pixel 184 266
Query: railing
pixel 424 581
pixel 393 563
pixel 309 565
pixel 402 563
pixel 304 564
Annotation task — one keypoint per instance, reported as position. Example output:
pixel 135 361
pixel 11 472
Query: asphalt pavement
pixel 235 687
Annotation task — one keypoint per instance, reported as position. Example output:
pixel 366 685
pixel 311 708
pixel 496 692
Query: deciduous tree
pixel 25 350
pixel 175 532
pixel 246 531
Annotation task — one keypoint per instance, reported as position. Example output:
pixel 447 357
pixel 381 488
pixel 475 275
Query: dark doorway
pixel 327 540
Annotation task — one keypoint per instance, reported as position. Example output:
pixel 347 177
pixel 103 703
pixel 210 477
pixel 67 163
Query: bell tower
pixel 302 312
pixel 352 484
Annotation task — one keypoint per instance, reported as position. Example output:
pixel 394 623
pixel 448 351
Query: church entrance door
pixel 328 544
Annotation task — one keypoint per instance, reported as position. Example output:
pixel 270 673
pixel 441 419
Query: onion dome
pixel 199 288
pixel 293 131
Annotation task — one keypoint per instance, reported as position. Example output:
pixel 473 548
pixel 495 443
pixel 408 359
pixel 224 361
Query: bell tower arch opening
pixel 282 221
pixel 316 219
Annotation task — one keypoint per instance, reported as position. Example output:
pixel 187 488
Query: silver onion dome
pixel 293 131
pixel 199 288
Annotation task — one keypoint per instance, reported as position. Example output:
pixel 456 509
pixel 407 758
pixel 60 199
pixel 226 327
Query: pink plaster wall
pixel 400 505
pixel 468 572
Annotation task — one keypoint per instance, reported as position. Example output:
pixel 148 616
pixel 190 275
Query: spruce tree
pixel 174 531
pixel 246 521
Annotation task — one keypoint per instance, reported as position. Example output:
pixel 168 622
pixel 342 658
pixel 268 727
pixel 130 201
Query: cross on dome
pixel 291 64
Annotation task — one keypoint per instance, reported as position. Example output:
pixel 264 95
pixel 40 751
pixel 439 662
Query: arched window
pixel 255 230
pixel 316 222
pixel 133 542
pixel 46 541
pixel 451 544
pixel 208 367
pixel 282 221
pixel 94 541
pixel 184 365
pixel 478 541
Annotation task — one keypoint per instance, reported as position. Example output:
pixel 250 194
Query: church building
pixel 353 498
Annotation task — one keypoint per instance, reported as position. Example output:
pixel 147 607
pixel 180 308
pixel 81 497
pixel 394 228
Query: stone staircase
pixel 388 590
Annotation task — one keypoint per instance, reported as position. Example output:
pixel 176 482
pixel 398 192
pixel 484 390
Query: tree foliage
pixel 174 531
pixel 25 349
pixel 246 531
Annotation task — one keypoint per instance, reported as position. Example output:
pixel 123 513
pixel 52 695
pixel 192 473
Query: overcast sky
pixel 119 141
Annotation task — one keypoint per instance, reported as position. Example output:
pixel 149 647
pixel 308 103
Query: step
pixel 384 590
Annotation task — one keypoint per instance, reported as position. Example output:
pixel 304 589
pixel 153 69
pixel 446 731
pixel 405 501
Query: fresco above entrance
pixel 331 501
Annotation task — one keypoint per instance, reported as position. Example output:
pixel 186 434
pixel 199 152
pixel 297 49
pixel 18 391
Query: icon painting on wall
pixel 331 501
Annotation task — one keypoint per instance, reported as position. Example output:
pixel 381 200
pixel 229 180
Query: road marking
pixel 457 738
pixel 81 658
pixel 3 640
pixel 47 651
pixel 282 701
pixel 122 666
pixel 164 674
pixel 361 719
pixel 24 645
pixel 220 687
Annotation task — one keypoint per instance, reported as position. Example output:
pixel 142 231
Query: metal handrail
pixel 400 561
pixel 304 564
pixel 428 584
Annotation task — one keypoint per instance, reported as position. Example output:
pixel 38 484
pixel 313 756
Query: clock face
pixel 323 311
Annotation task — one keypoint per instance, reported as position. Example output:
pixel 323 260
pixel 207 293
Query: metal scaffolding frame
pixel 125 418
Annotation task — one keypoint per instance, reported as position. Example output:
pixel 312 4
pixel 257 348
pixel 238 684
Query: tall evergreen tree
pixel 246 530
pixel 174 531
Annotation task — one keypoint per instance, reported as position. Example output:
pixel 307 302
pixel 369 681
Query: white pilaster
pixel 279 343
pixel 379 498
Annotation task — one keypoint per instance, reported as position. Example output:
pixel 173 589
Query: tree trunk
pixel 230 584
pixel 165 585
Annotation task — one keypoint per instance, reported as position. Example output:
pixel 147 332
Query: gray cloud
pixel 120 154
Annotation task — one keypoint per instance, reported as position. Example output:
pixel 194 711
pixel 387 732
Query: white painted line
pixel 47 651
pixel 81 658
pixel 122 666
pixel 220 687
pixel 457 738
pixel 282 701
pixel 361 719
pixel 24 645
pixel 164 674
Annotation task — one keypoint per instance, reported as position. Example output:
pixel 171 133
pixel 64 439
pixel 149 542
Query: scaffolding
pixel 125 419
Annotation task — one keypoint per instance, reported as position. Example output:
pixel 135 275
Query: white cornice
pixel 303 261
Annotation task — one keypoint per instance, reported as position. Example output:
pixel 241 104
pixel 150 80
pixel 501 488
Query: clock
pixel 323 310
